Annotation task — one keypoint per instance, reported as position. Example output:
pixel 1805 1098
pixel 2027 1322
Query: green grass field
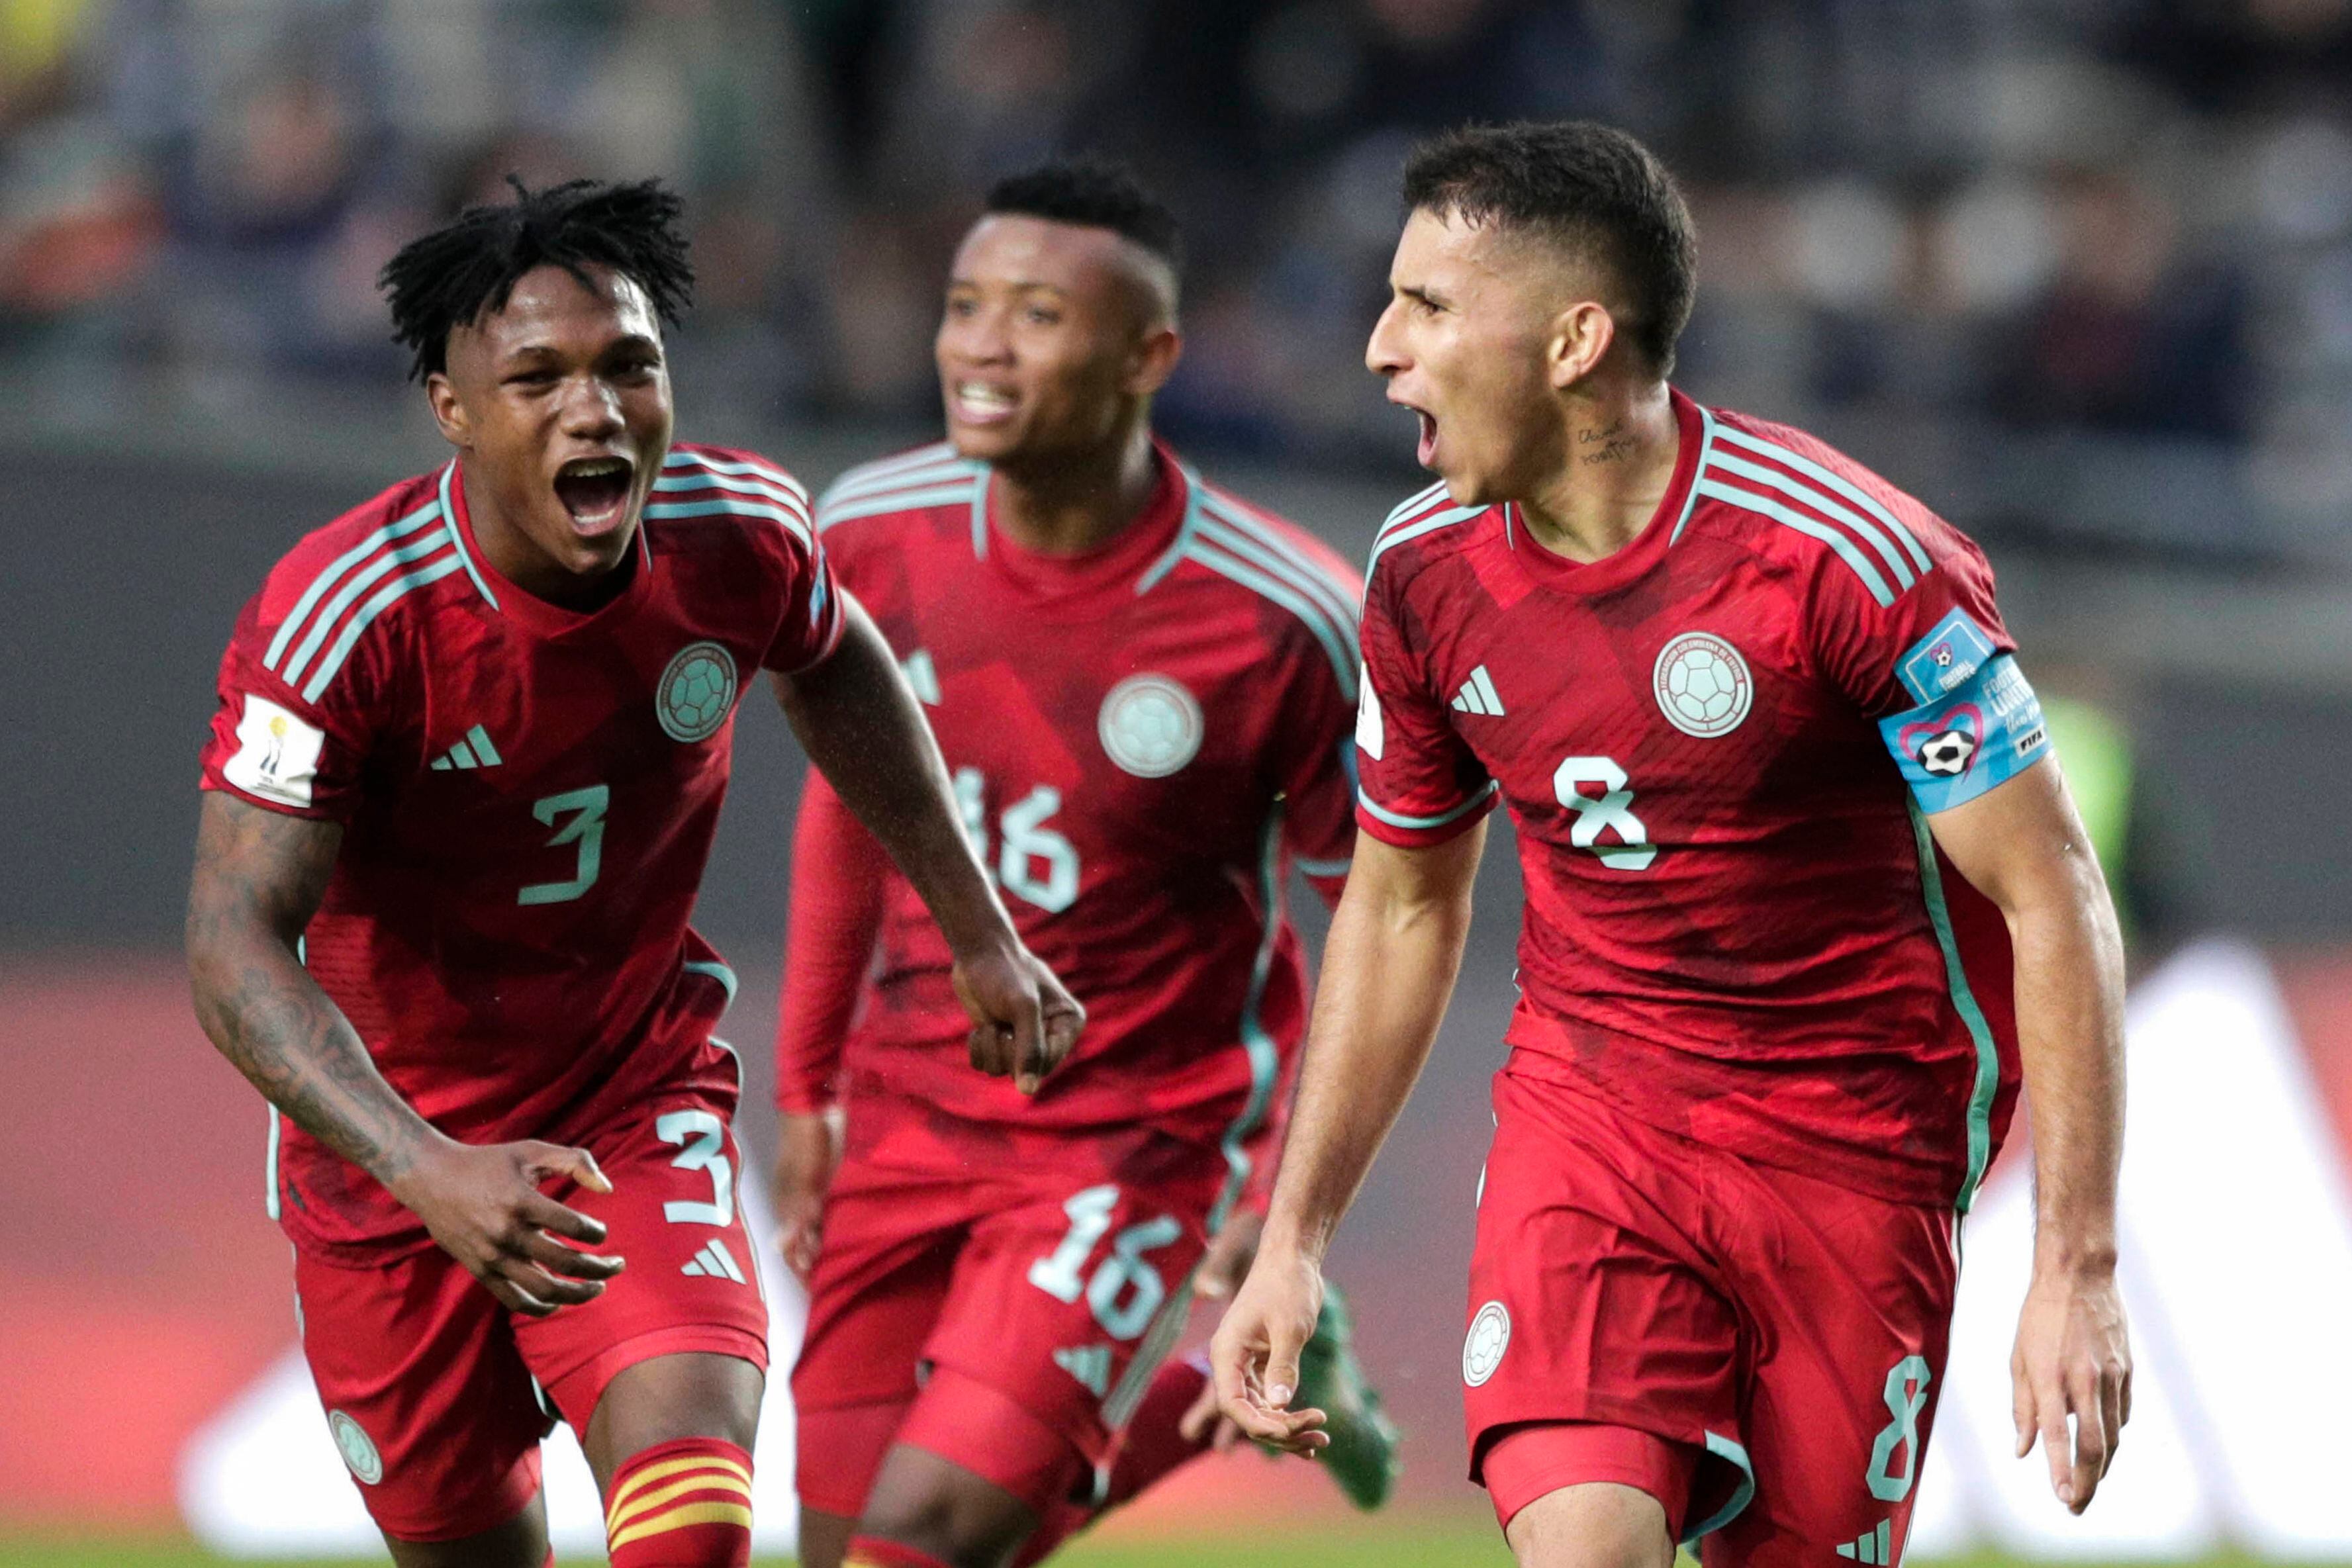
pixel 1399 1544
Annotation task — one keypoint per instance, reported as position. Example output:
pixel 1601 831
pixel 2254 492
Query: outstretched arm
pixel 838 893
pixel 1388 972
pixel 2022 846
pixel 860 724
pixel 258 878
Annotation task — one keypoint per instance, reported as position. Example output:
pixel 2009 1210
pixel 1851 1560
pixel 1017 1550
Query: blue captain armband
pixel 1983 731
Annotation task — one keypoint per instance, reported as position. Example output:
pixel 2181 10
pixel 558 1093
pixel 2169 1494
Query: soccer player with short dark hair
pixel 1804 891
pixel 470 750
pixel 1144 686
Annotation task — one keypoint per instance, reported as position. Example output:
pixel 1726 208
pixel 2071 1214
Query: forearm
pixel 269 1018
pixel 837 896
pixel 258 877
pixel 1388 972
pixel 861 726
pixel 2069 962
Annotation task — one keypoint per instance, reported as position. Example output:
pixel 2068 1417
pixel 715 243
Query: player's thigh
pixel 519 1542
pixel 1592 1524
pixel 1852 1298
pixel 824 1539
pixel 692 1286
pixel 1061 1309
pixel 882 1275
pixel 946 1510
pixel 690 1394
pixel 429 1402
pixel 1592 1308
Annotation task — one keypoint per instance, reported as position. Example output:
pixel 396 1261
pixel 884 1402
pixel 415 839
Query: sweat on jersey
pixel 1718 747
pixel 528 795
pixel 1143 739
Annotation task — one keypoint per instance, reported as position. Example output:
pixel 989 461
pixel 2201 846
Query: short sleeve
pixel 296 749
pixel 1417 783
pixel 1315 770
pixel 1935 670
pixel 809 626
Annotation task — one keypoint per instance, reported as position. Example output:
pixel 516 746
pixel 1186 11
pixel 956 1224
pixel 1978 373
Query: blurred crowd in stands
pixel 2112 236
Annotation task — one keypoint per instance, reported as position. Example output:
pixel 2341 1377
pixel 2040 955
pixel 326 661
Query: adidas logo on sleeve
pixel 1479 695
pixel 474 751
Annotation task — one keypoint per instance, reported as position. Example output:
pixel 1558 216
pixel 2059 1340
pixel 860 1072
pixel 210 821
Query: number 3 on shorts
pixel 703 1138
pixel 1906 1396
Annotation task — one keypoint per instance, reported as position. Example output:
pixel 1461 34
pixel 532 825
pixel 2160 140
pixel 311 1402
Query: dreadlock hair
pixel 467 269
pixel 1098 192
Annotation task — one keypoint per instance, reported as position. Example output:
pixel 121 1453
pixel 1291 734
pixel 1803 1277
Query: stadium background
pixel 2078 272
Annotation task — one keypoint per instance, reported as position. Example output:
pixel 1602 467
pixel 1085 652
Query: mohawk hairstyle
pixel 1098 192
pixel 1588 188
pixel 467 269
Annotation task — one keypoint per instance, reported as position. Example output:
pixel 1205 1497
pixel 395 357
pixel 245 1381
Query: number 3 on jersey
pixel 586 830
pixel 1025 846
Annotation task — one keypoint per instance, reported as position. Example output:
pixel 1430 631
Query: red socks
pixel 683 1504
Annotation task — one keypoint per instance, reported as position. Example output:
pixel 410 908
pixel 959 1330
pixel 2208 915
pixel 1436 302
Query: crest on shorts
pixel 1703 684
pixel 1151 726
pixel 1489 1337
pixel 356 1447
pixel 696 692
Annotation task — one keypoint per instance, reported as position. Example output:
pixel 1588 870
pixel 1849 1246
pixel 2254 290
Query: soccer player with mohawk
pixel 470 750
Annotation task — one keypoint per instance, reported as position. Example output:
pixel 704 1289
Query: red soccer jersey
pixel 1737 925
pixel 1142 738
pixel 527 794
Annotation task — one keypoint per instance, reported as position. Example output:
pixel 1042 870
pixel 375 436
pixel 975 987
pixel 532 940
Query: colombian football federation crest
pixel 1489 1337
pixel 696 693
pixel 1151 726
pixel 1703 684
pixel 357 1448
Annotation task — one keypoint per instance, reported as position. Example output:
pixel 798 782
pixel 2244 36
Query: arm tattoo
pixel 260 876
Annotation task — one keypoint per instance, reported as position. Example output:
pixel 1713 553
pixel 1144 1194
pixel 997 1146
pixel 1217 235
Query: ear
pixel 1153 360
pixel 1581 337
pixel 448 413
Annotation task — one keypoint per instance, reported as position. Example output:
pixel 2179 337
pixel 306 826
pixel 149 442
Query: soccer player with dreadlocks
pixel 470 750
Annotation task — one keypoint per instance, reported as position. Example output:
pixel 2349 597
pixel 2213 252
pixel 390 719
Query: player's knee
pixel 683 1504
pixel 942 1526
pixel 1598 1524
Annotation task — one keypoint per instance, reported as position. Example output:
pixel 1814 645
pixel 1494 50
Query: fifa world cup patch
pixel 1987 730
pixel 1372 730
pixel 1945 659
pixel 276 754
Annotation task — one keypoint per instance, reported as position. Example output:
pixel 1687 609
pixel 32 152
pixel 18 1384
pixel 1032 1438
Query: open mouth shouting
pixel 977 403
pixel 595 492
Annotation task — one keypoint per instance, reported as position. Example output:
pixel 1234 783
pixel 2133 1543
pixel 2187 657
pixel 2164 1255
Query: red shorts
pixel 1004 1307
pixel 1781 1333
pixel 433 1389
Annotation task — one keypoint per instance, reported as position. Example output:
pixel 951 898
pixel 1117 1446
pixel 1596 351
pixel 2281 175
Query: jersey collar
pixel 516 603
pixel 1645 548
pixel 1132 559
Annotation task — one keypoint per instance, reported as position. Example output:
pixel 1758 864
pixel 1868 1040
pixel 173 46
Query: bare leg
pixel 1594 1524
pixel 693 1394
pixel 519 1542
pixel 824 1538
pixel 922 1500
